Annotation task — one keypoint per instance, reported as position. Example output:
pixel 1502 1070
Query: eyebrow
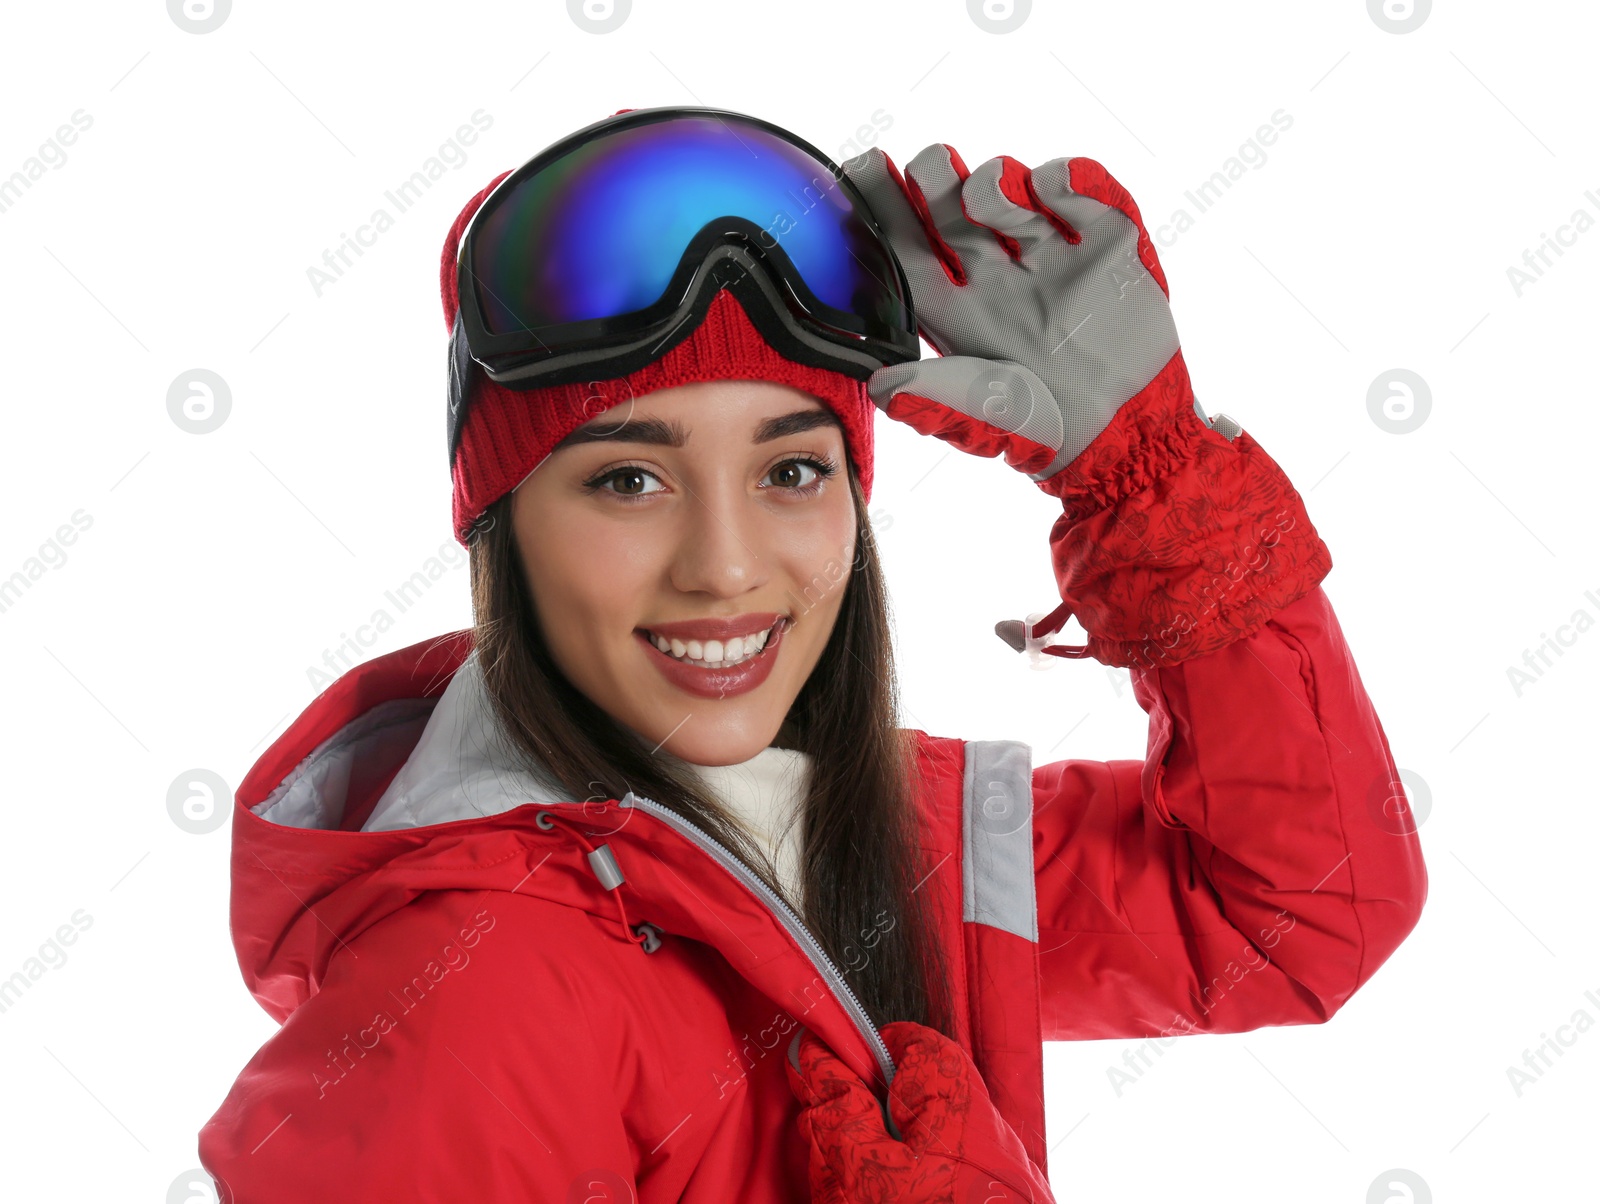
pixel 663 433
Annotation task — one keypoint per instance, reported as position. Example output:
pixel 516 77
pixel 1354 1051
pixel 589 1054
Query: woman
pixel 635 890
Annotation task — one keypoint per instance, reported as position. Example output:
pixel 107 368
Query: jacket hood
pixel 337 826
pixel 461 767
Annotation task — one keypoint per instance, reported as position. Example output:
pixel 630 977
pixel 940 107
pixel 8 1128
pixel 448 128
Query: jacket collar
pixel 307 880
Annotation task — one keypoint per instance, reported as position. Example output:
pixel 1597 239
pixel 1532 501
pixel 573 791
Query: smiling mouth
pixel 725 653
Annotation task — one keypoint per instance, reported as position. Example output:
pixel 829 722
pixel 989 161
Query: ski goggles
pixel 586 261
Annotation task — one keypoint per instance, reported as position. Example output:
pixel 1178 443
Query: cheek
pixel 818 556
pixel 585 576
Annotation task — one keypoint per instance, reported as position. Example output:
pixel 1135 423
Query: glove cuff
pixel 1145 441
pixel 1175 541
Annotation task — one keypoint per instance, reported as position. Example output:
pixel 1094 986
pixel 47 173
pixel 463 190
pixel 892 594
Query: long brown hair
pixel 859 821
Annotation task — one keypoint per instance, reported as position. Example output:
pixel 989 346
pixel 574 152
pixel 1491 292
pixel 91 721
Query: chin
pixel 732 744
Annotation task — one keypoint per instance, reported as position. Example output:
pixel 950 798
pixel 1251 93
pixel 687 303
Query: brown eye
pixel 627 481
pixel 789 475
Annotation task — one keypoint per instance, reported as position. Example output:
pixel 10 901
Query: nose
pixel 719 548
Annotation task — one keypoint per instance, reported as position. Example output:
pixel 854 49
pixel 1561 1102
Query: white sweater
pixel 463 768
pixel 763 793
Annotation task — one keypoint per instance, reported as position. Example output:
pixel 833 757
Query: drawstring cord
pixel 604 864
pixel 1030 635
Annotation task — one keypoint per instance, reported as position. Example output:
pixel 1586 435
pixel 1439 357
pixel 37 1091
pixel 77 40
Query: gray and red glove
pixel 950 1144
pixel 1042 293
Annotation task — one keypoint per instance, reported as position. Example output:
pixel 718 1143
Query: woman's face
pixel 692 515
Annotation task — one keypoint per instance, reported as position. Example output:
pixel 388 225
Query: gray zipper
pixel 786 914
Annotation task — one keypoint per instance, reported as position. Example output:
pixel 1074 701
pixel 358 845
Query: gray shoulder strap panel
pixel 997 837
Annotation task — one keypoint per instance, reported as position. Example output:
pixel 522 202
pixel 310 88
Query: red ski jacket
pixel 465 1017
pixel 567 1001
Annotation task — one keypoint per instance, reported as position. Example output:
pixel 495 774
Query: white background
pixel 216 569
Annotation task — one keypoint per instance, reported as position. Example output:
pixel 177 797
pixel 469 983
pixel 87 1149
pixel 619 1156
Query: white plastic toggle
pixel 1225 426
pixel 1019 634
pixel 1032 644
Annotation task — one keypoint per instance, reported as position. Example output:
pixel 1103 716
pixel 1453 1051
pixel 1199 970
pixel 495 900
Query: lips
pixel 714 682
pixel 715 629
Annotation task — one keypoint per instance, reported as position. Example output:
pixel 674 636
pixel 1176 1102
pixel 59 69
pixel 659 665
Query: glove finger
pixel 914 242
pixel 940 1092
pixel 834 1095
pixel 930 1099
pixel 999 195
pixel 985 407
pixel 936 173
pixel 1052 183
pixel 1086 194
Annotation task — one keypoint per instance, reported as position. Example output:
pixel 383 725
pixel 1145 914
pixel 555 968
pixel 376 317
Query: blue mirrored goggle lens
pixel 600 231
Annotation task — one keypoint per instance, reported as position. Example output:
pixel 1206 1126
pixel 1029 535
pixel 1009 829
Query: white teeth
pixel 713 653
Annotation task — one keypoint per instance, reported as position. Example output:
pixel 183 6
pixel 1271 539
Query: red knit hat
pixel 507 433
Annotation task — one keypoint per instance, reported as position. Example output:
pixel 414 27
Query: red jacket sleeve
pixel 1252 870
pixel 410 1075
pixel 1249 871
